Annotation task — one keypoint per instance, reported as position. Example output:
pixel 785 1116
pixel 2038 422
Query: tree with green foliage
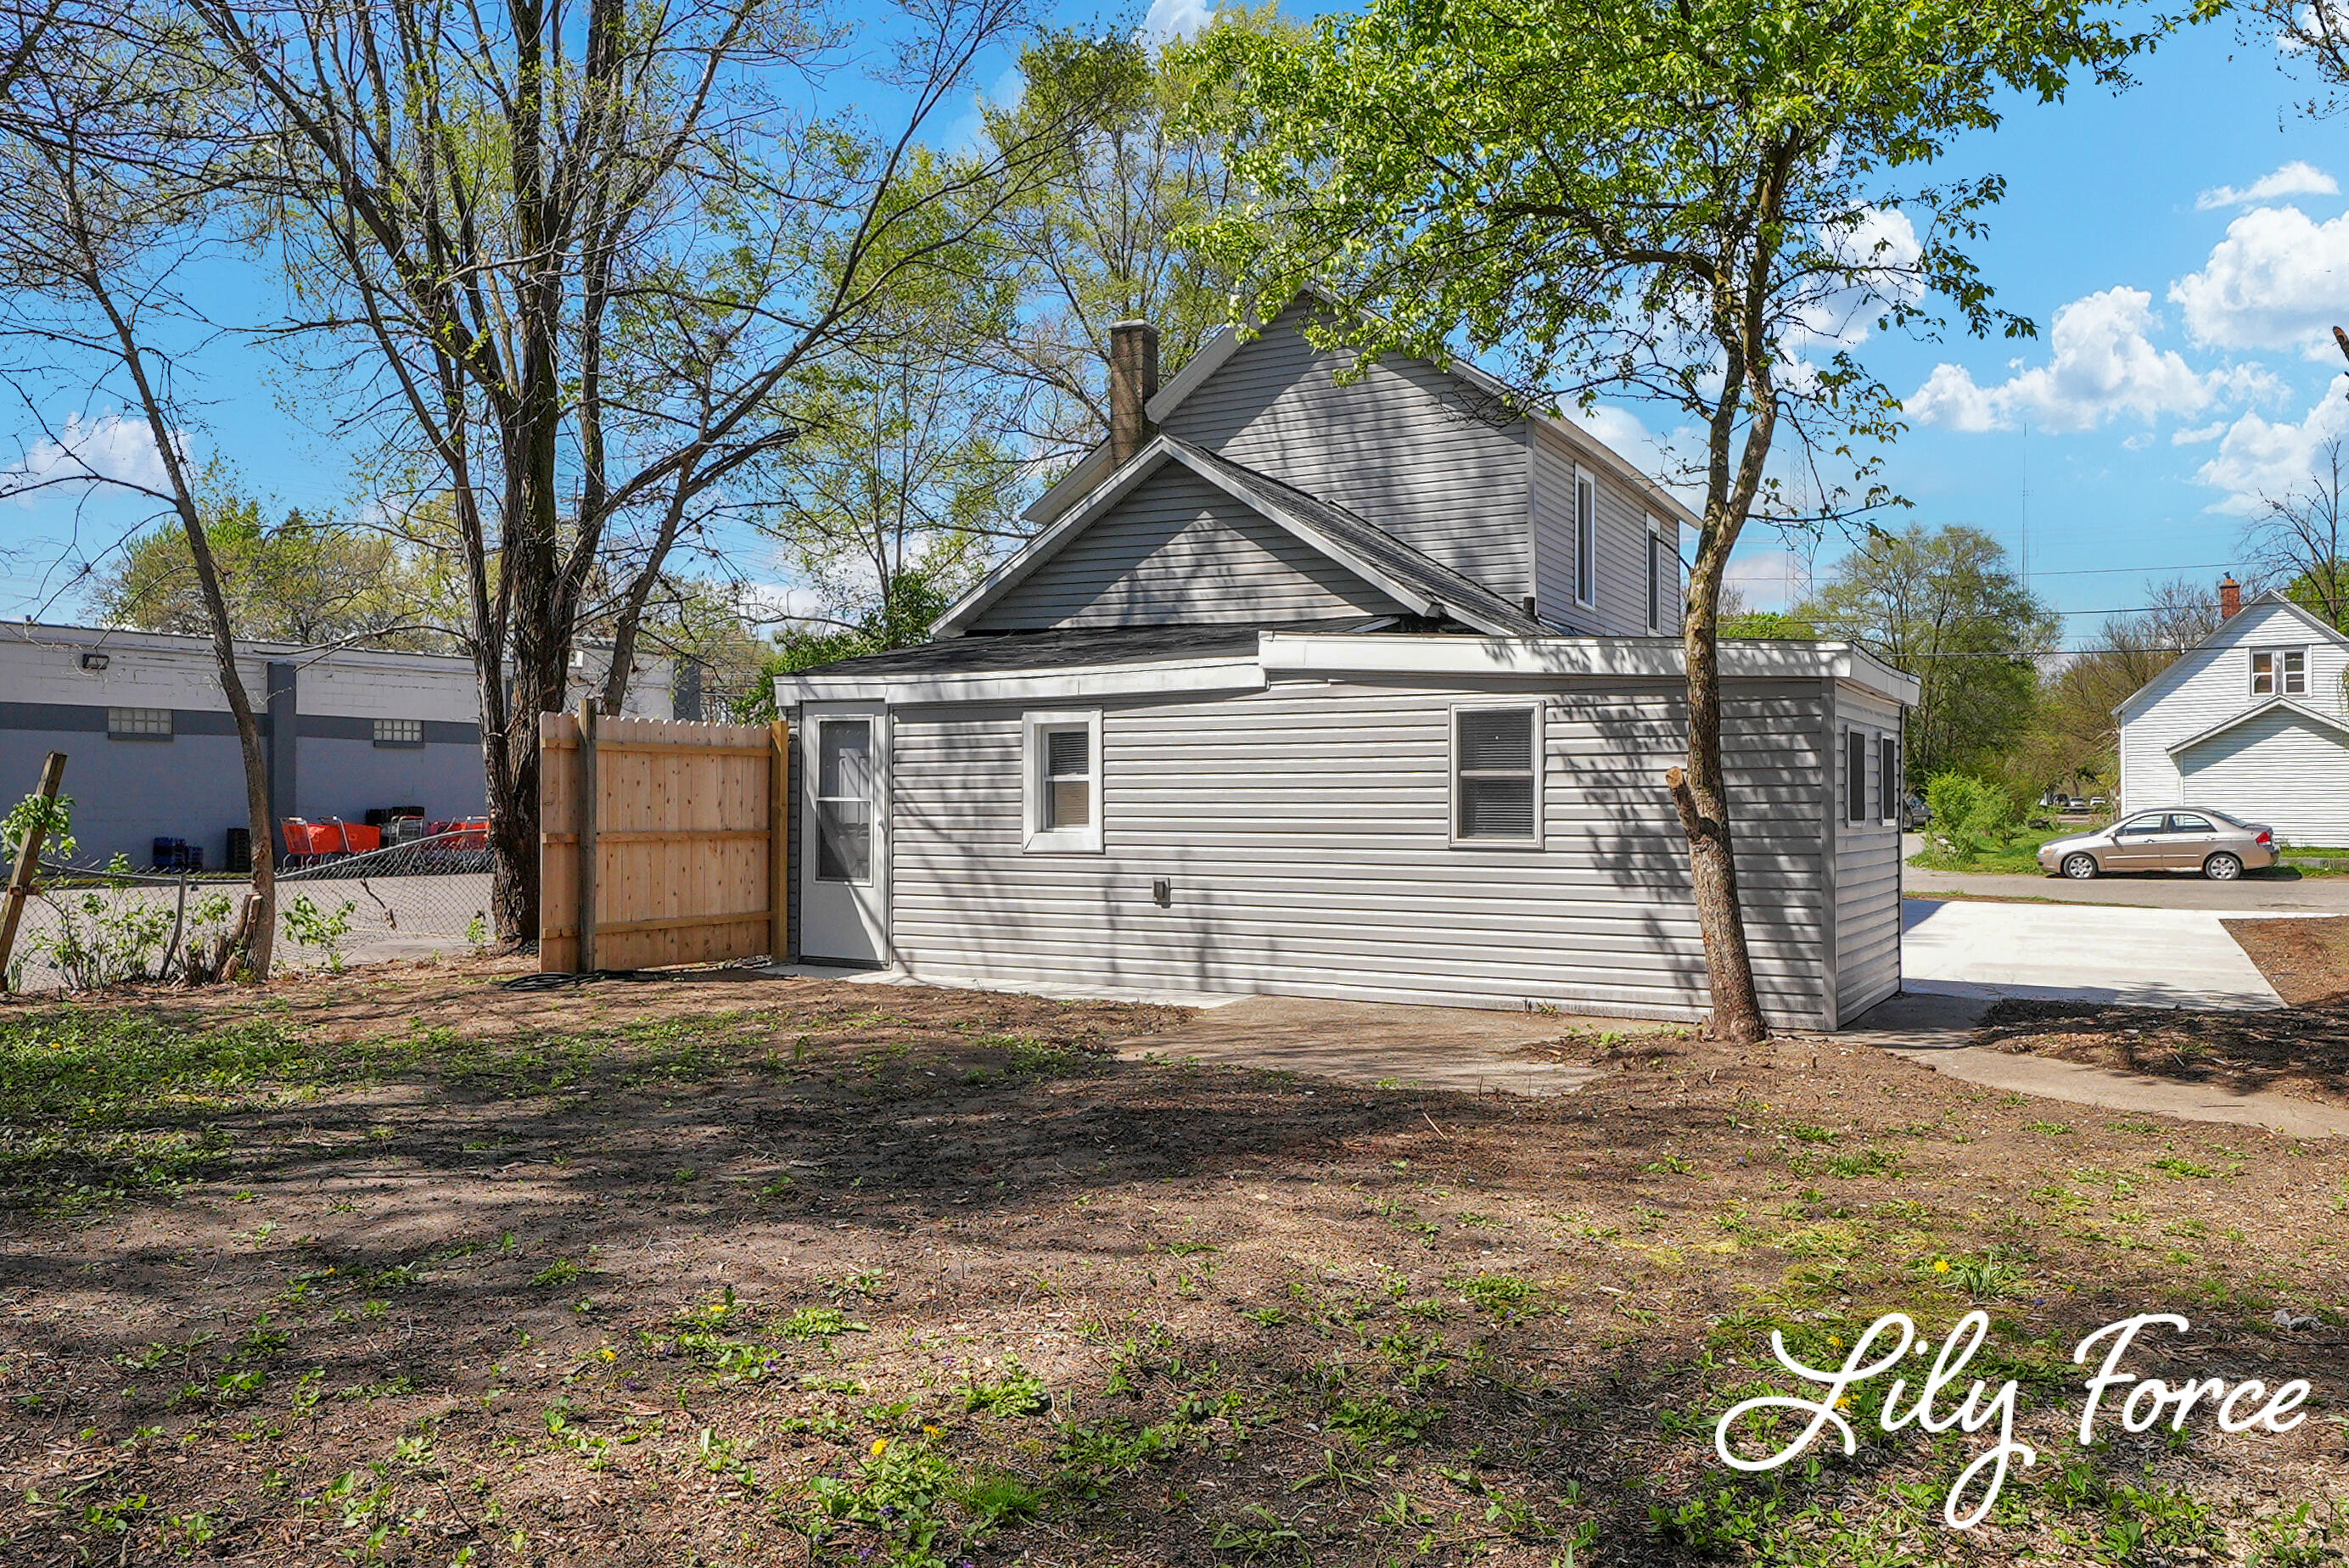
pixel 298 579
pixel 2074 737
pixel 1097 236
pixel 1948 607
pixel 1707 203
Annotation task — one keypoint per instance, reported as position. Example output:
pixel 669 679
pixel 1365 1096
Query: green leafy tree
pixel 296 579
pixel 2073 738
pixel 1097 235
pixel 1948 607
pixel 1707 203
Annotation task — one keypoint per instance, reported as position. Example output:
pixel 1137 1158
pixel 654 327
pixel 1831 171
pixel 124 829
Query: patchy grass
pixel 2016 854
pixel 392 1267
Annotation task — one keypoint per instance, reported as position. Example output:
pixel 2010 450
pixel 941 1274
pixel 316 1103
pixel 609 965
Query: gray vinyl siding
pixel 1407 447
pixel 1178 549
pixel 1619 579
pixel 1867 863
pixel 1304 830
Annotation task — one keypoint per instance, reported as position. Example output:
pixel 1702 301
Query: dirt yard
pixel 2301 1049
pixel 399 1267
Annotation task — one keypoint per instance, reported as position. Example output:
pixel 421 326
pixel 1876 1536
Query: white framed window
pixel 1496 774
pixel 1655 578
pixel 139 724
pixel 844 801
pixel 1062 768
pixel 2280 672
pixel 1855 776
pixel 399 732
pixel 1585 537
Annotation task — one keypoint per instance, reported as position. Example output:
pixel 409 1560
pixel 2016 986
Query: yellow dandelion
pixel 1843 1403
pixel 1940 1266
pixel 929 1431
pixel 608 1354
pixel 880 1445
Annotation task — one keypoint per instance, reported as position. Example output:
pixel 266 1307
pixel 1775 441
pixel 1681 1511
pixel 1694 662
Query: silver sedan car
pixel 2211 842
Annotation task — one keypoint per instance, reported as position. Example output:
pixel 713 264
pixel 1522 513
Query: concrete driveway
pixel 2141 957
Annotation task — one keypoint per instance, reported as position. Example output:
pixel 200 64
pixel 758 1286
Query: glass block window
pixel 399 732
pixel 138 723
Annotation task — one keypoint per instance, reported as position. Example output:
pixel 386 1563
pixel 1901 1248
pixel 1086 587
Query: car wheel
pixel 2080 867
pixel 2222 867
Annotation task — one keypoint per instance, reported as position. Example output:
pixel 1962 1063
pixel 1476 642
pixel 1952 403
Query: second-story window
pixel 1585 537
pixel 2280 672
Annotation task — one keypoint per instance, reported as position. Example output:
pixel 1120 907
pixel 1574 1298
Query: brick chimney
pixel 2231 597
pixel 1133 383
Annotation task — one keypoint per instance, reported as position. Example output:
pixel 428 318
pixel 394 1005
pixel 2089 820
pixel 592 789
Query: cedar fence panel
pixel 685 848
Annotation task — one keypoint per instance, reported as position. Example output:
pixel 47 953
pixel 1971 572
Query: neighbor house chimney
pixel 2231 597
pixel 1133 383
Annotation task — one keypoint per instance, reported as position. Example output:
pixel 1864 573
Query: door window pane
pixel 2180 823
pixel 2137 825
pixel 844 804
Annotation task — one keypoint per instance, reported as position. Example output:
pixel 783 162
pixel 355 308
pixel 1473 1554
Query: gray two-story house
pixel 1340 682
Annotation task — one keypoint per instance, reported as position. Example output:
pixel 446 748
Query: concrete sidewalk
pixel 1936 1031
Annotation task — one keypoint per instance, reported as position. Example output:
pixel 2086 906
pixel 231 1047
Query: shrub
pixel 1972 815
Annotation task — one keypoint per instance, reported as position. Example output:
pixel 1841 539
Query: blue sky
pixel 2184 248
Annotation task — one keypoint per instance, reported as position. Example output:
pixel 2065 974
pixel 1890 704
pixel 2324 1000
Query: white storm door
pixel 845 855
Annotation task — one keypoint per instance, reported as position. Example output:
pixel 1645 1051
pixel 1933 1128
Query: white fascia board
pixel 1635 659
pixel 1244 672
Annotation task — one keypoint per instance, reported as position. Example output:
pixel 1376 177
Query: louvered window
pixel 1496 776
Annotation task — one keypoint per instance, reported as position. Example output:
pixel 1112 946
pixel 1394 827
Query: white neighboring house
pixel 2252 721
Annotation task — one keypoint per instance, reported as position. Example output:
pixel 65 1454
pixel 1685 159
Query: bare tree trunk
pixel 258 934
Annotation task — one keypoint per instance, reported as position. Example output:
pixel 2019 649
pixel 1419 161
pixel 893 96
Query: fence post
pixel 589 807
pixel 28 860
pixel 778 841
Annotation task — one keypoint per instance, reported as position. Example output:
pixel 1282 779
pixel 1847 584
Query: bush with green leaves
pixel 106 935
pixel 56 818
pixel 1972 815
pixel 307 925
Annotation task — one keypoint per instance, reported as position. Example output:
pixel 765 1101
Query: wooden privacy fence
pixel 681 858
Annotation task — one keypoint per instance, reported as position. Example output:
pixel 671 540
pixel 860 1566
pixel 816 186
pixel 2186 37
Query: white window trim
pixel 2276 652
pixel 1585 586
pixel 1036 838
pixel 1540 710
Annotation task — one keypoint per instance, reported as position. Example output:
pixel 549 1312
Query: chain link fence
pixel 98 925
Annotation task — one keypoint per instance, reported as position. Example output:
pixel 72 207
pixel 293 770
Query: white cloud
pixel 1169 19
pixel 2104 365
pixel 86 451
pixel 2260 457
pixel 2298 177
pixel 2199 434
pixel 2279 279
pixel 1882 248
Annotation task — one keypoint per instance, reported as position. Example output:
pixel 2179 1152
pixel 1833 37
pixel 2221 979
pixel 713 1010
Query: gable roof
pixel 2178 672
pixel 1093 467
pixel 2248 714
pixel 1414 580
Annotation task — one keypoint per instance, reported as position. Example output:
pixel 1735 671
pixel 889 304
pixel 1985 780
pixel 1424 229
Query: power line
pixel 2104 571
